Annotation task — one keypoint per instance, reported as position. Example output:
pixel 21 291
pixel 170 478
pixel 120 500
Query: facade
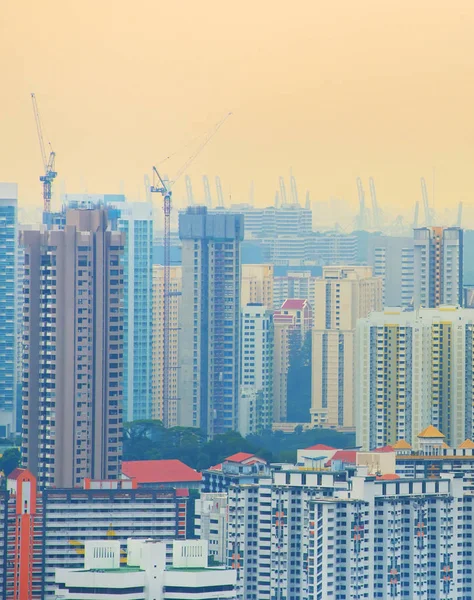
pixel 332 248
pixel 8 308
pixel 73 351
pixel 343 534
pixel 272 222
pixel 146 575
pixel 209 338
pixel 392 259
pixel 342 295
pixel 256 370
pixel 173 343
pixel 291 323
pixel 414 369
pixel 136 221
pixel 242 467
pixel 257 285
pixel 211 516
pixel 295 284
pixel 438 266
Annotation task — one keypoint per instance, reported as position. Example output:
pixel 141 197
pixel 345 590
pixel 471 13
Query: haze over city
pixel 332 90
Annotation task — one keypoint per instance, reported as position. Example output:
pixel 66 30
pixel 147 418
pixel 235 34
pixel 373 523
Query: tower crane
pixel 429 217
pixel 294 190
pixel 162 185
pixel 48 161
pixel 375 206
pixel 282 192
pixel 207 191
pixel 220 196
pixel 277 200
pixel 361 221
pixel 189 190
pixel 417 212
pixel 308 201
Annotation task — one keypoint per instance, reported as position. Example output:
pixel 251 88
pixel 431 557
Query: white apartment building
pixel 257 285
pixel 146 575
pixel 256 369
pixel 341 296
pixel 414 369
pixel 345 535
pixel 211 517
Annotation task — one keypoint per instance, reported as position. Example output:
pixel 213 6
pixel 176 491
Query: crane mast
pixel 375 206
pixel 48 161
pixel 189 190
pixel 362 209
pixel 429 217
pixel 220 195
pixel 294 190
pixel 207 191
pixel 282 191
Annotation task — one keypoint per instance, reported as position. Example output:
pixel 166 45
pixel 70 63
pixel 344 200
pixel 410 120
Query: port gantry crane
pixel 48 161
pixel 161 185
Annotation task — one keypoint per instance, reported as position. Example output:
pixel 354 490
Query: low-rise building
pixel 146 575
pixel 161 473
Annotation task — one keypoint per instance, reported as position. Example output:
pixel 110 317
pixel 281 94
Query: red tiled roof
pixel 182 492
pixel 388 477
pixel 159 471
pixel 239 457
pixel 320 447
pixel 383 449
pixel 345 456
pixel 216 467
pixel 16 473
pixel 293 304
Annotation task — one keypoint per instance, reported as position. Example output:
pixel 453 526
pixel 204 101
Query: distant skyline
pixel 331 90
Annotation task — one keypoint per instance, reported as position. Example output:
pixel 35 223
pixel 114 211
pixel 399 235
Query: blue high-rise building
pixel 8 297
pixel 136 220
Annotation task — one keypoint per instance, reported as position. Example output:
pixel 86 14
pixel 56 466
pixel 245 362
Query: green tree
pixel 10 460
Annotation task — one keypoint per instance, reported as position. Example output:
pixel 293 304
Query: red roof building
pixel 161 473
pixel 320 447
pixel 345 456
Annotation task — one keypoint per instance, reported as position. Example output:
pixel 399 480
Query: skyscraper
pixel 256 370
pixel 414 369
pixel 73 354
pixel 136 220
pixel 8 301
pixel 438 266
pixel 209 342
pixel 257 285
pixel 343 295
pixel 173 343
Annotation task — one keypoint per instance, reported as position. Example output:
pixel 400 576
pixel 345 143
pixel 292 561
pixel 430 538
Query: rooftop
pixel 401 445
pixel 320 447
pixel 467 444
pixel 431 432
pixel 160 471
pixel 293 304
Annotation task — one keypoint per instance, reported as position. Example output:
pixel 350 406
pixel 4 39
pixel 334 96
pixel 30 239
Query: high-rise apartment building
pixel 256 369
pixel 272 222
pixel 73 352
pixel 136 221
pixel 341 296
pixel 209 343
pixel 392 259
pixel 173 343
pixel 438 266
pixel 332 248
pixel 8 305
pixel 257 285
pixel 295 284
pixel 414 369
pixel 292 323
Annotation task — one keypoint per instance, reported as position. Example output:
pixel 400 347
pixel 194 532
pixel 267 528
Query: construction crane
pixel 361 220
pixel 416 217
pixel 220 195
pixel 207 191
pixel 282 191
pixel 429 216
pixel 189 190
pixel 459 221
pixel 294 190
pixel 162 185
pixel 277 200
pixel 308 201
pixel 375 206
pixel 48 161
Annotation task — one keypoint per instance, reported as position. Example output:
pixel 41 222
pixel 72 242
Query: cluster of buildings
pixel 82 350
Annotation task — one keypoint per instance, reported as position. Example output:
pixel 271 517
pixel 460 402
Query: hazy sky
pixel 334 89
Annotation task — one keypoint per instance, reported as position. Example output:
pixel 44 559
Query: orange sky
pixel 334 89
